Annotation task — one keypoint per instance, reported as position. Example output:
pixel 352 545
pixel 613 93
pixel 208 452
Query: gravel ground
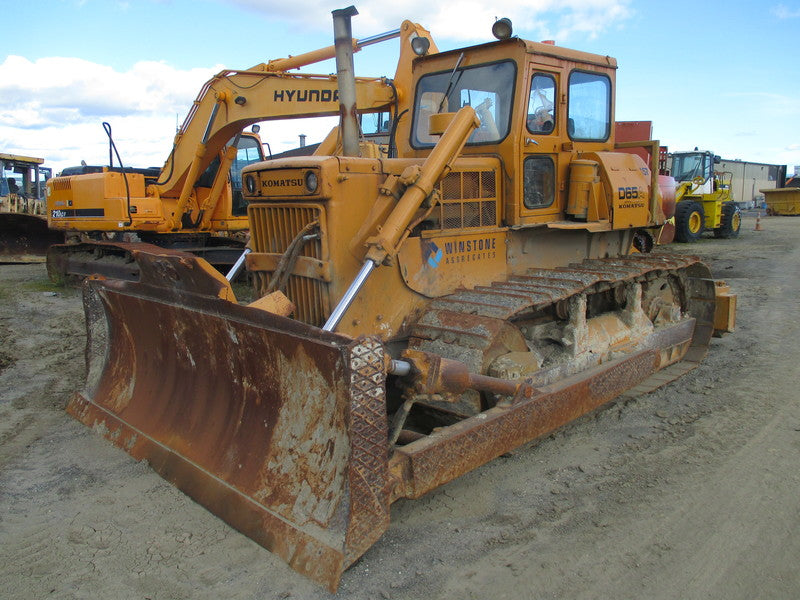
pixel 692 491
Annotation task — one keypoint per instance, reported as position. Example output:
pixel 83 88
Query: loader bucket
pixel 25 238
pixel 276 427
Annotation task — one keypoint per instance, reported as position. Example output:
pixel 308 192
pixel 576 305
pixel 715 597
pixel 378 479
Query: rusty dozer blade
pixel 281 429
pixel 276 427
pixel 70 263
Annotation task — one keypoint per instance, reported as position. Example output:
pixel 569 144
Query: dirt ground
pixel 692 491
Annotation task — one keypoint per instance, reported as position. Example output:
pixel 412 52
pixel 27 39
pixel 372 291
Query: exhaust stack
pixel 345 71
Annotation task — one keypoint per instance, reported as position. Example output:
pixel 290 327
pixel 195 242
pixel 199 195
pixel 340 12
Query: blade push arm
pixel 420 185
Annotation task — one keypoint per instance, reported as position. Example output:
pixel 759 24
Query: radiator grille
pixel 273 227
pixel 62 184
pixel 468 199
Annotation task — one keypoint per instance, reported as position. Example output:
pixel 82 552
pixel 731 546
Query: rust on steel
pixel 117 260
pixel 450 452
pixel 281 429
pixel 276 427
pixel 25 238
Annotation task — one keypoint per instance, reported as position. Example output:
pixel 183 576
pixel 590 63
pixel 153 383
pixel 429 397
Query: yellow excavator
pixel 418 315
pixel 194 202
pixel 104 212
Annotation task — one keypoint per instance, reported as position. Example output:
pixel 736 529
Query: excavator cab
pixel 417 316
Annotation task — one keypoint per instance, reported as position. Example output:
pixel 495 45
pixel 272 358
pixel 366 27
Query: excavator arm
pixel 234 99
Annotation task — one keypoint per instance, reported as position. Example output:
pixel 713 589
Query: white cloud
pixel 464 20
pixel 88 90
pixel 53 107
pixel 784 12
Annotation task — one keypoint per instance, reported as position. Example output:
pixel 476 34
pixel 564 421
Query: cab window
pixel 248 151
pixel 589 107
pixel 686 167
pixel 539 176
pixel 376 123
pixel 541 105
pixel 488 88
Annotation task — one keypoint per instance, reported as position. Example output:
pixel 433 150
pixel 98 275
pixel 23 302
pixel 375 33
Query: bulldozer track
pixel 464 325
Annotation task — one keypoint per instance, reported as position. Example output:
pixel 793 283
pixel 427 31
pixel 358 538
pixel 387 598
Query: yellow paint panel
pixel 436 266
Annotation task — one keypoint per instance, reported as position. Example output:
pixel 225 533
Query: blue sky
pixel 719 75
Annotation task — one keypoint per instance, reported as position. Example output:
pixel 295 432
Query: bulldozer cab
pixel 541 109
pixel 24 236
pixel 22 185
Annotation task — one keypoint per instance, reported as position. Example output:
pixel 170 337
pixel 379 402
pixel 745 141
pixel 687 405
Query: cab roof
pixel 518 46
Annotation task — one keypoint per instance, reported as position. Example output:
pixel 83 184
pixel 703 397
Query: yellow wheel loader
pixel 418 315
pixel 703 198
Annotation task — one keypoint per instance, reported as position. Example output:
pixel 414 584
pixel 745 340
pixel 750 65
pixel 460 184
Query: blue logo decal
pixel 432 254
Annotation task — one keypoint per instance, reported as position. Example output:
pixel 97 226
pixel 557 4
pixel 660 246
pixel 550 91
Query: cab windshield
pixel 248 151
pixel 489 89
pixel 686 167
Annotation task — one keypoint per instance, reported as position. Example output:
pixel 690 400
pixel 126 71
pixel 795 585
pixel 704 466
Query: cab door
pixel 540 144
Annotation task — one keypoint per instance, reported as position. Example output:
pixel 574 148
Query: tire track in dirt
pixel 674 494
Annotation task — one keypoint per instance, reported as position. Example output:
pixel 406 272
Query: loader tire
pixel 730 222
pixel 689 221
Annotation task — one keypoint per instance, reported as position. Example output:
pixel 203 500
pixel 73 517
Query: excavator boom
pixel 190 203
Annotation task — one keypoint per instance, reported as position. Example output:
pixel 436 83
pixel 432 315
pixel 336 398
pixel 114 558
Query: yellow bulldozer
pixel 418 315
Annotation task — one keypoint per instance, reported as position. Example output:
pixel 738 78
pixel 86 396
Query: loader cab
pixel 697 167
pixel 686 166
pixel 540 107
